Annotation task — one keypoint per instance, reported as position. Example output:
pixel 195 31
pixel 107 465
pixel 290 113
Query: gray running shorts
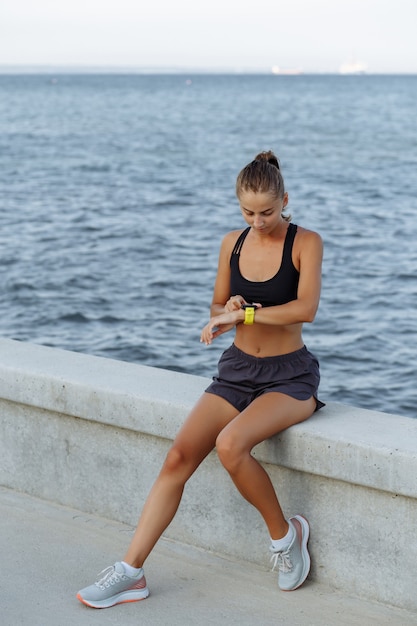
pixel 243 377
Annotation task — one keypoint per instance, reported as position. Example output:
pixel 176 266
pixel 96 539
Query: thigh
pixel 266 416
pixel 197 436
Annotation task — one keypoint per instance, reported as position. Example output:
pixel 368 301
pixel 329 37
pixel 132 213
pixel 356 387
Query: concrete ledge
pixel 91 433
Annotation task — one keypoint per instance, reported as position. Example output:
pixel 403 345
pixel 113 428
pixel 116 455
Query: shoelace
pixel 282 559
pixel 108 577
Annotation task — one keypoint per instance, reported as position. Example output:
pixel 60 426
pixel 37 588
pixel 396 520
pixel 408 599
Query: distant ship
pixel 353 67
pixel 288 72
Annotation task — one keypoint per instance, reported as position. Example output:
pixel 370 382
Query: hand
pixel 234 303
pixel 220 324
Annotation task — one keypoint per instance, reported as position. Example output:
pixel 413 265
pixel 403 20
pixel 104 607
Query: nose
pixel 257 221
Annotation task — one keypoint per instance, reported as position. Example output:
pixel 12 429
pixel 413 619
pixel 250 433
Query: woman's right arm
pixel 222 301
pixel 226 310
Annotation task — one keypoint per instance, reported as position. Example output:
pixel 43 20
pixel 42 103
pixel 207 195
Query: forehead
pixel 257 201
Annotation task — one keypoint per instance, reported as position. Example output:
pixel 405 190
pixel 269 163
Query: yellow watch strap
pixel 249 315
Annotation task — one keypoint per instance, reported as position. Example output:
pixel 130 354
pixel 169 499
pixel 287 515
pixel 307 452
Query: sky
pixel 307 35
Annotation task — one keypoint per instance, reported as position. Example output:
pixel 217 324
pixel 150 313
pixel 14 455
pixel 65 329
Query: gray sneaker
pixel 114 586
pixel 294 562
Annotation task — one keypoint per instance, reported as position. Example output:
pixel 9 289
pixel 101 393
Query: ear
pixel 285 200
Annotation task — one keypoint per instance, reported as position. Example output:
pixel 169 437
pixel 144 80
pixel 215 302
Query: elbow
pixel 309 318
pixel 309 314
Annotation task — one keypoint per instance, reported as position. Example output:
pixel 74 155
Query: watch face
pixel 249 306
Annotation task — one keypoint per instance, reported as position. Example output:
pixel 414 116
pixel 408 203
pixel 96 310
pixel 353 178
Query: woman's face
pixel 262 211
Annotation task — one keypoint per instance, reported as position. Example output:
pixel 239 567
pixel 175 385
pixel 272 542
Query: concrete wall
pixel 92 433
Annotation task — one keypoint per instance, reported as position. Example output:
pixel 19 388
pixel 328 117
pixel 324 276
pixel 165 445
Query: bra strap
pixel 240 240
pixel 289 241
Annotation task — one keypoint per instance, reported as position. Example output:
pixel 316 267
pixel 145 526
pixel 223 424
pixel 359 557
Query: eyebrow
pixel 264 211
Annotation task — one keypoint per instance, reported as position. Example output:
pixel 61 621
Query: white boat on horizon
pixel 287 72
pixel 353 67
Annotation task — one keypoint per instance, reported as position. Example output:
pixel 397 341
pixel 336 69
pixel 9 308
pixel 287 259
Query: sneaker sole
pixel 120 598
pixel 305 528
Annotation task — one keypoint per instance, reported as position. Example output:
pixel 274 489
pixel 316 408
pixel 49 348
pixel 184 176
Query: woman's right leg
pixel 193 443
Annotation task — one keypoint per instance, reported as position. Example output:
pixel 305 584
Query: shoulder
pixel 234 235
pixel 307 237
pixel 229 240
pixel 226 249
pixel 308 243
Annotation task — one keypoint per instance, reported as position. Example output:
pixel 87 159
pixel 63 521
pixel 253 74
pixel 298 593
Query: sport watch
pixel 249 313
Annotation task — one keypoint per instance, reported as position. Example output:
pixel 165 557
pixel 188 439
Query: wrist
pixel 248 311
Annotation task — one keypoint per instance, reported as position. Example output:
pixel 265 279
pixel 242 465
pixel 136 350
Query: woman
pixel 267 285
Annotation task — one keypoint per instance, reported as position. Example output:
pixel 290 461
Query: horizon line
pixel 44 68
pixel 120 69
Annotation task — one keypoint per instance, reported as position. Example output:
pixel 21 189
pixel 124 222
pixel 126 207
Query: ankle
pixel 130 569
pixel 283 542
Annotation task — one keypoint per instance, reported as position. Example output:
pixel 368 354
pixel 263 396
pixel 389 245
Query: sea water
pixel 116 191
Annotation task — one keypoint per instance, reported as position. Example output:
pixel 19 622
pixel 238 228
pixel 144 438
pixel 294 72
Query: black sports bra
pixel 279 289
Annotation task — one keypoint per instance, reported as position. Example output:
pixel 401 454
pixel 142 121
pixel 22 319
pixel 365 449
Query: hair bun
pixel 269 157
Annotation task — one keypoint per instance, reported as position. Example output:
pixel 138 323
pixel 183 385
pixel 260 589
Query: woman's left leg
pixel 266 416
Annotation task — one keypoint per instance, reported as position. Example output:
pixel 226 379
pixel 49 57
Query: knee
pixel 175 461
pixel 229 451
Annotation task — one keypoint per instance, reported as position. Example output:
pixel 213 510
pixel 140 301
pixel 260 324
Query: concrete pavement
pixel 49 551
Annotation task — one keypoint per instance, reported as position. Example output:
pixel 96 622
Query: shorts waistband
pixel 279 358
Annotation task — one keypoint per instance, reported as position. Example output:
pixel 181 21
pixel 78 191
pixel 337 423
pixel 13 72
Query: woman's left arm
pixel 304 308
